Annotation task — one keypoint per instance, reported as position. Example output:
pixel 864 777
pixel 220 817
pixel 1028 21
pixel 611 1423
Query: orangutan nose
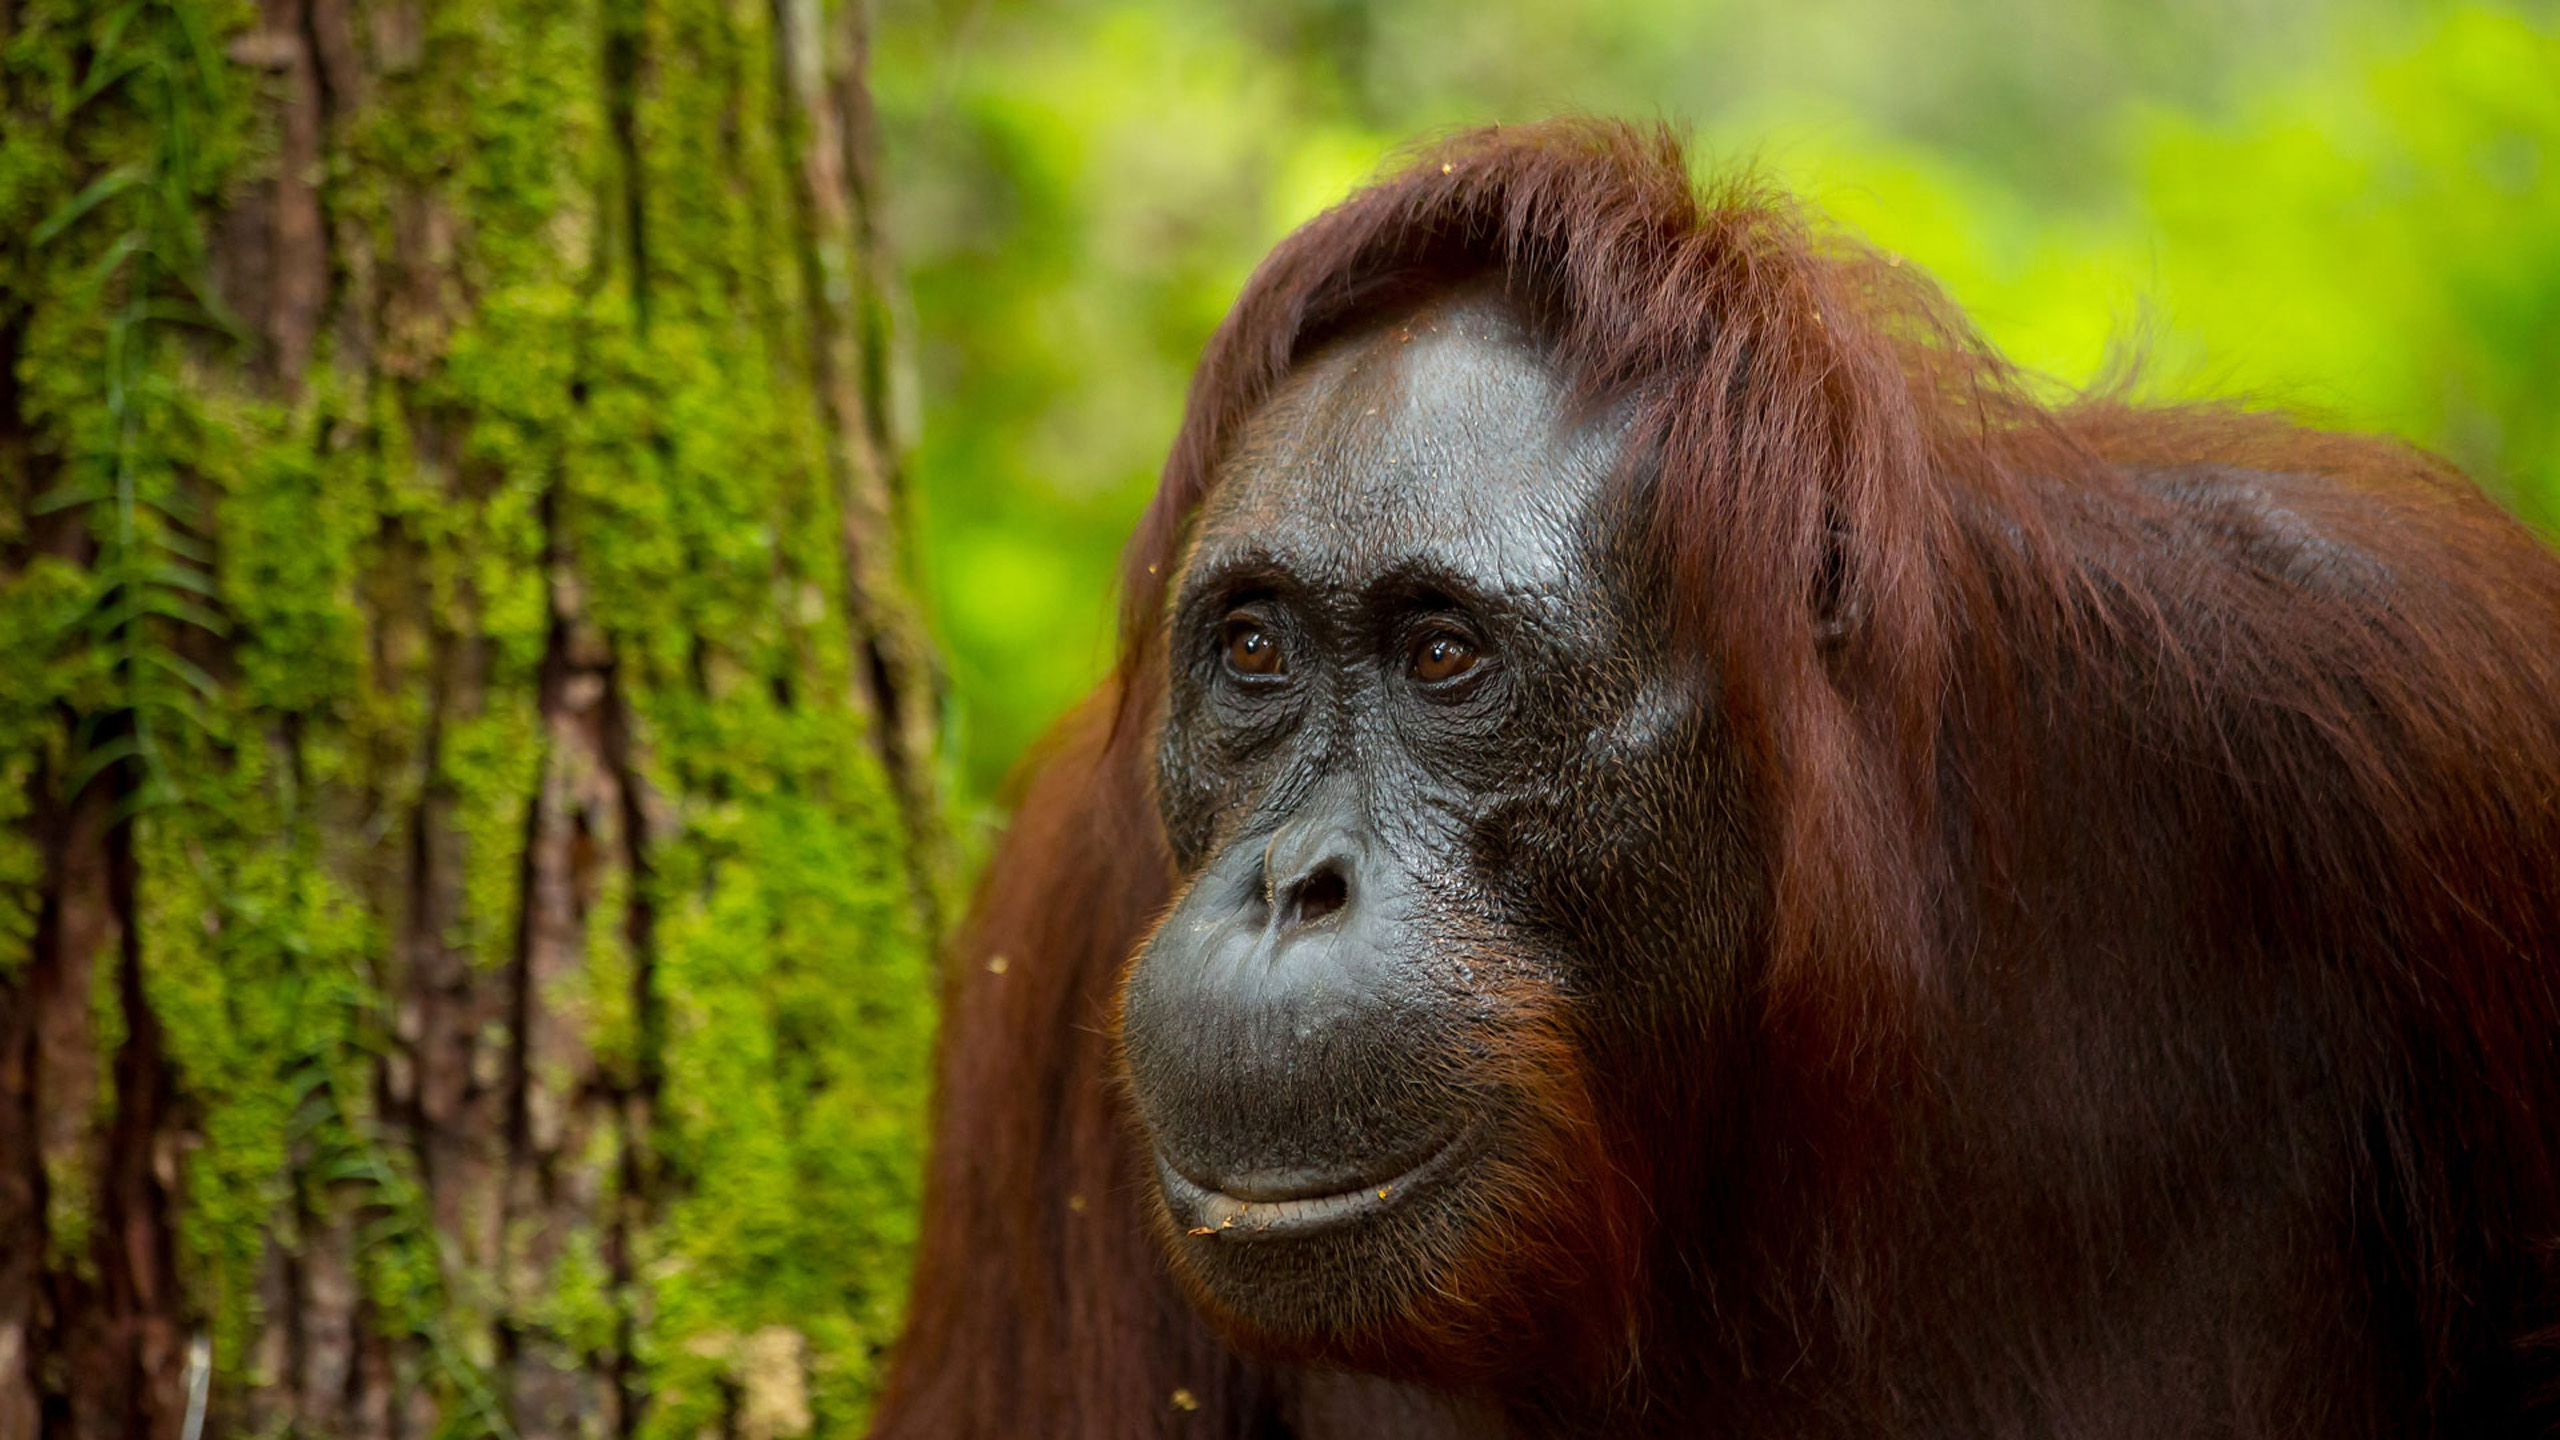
pixel 1310 872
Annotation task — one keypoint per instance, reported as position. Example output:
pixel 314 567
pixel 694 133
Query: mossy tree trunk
pixel 467 819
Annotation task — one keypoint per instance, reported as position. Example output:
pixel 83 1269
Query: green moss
pixel 257 963
pixel 39 606
pixel 552 429
pixel 792 939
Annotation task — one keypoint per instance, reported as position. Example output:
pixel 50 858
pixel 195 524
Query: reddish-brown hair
pixel 1987 659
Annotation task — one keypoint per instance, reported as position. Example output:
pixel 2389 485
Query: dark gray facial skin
pixel 1385 872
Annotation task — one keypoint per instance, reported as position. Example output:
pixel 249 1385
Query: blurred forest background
pixel 532 532
pixel 2350 208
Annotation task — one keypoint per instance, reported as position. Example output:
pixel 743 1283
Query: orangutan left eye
pixel 1443 657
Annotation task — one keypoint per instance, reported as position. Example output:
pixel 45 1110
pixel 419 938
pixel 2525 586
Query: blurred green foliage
pixel 2347 209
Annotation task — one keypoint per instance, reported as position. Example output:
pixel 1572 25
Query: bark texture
pixel 468 841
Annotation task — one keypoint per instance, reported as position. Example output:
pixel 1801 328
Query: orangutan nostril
pixel 1319 895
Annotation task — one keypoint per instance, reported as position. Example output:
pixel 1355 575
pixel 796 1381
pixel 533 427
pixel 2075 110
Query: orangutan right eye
pixel 1252 647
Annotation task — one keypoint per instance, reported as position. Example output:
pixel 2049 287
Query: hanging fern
pixel 151 582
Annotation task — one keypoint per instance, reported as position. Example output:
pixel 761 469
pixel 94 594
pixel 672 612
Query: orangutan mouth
pixel 1297 1204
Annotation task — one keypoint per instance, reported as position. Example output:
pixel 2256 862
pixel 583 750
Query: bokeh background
pixel 476 807
pixel 2346 208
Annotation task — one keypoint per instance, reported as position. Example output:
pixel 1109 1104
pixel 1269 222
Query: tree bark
pixel 469 844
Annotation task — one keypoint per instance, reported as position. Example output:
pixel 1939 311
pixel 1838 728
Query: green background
pixel 2351 211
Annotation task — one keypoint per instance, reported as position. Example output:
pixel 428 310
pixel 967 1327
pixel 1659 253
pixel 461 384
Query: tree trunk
pixel 468 838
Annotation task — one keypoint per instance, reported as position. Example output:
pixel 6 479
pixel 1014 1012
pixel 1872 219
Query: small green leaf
pixel 183 577
pixel 68 494
pixel 187 671
pixel 97 761
pixel 96 193
pixel 186 612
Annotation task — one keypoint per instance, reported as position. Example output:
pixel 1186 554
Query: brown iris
pixel 1443 657
pixel 1251 647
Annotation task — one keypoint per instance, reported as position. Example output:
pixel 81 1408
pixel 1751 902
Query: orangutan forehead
pixel 1442 437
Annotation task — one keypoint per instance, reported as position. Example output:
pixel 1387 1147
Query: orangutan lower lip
pixel 1280 1211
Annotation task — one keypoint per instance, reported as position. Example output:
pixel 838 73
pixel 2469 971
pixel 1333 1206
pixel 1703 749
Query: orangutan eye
pixel 1443 657
pixel 1251 647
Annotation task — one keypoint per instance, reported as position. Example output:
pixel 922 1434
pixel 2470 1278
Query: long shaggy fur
pixel 2151 797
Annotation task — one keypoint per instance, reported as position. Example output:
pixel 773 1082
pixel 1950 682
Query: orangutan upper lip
pixel 1287 1205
